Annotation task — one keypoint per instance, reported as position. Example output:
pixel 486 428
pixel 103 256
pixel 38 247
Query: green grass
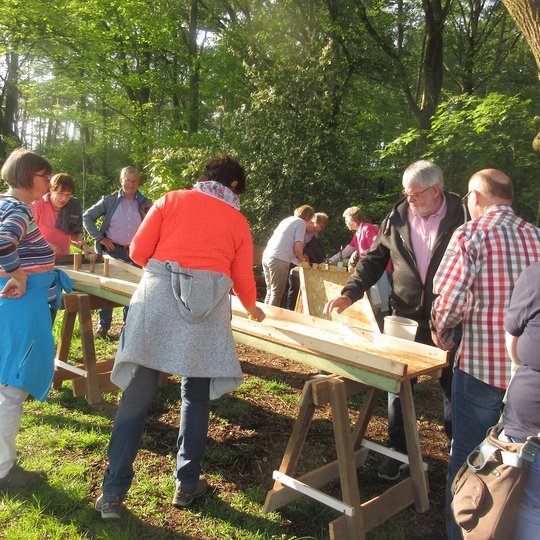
pixel 68 439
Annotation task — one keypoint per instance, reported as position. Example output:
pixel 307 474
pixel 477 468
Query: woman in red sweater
pixel 195 246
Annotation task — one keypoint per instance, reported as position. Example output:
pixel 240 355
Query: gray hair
pixel 423 174
pixel 128 170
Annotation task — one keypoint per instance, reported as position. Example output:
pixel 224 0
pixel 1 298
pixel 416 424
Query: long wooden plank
pixel 308 342
pixel 359 374
pixel 117 285
pixel 376 352
pixel 374 340
pixel 316 341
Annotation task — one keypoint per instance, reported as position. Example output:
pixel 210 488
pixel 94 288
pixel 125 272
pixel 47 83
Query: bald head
pixel 492 184
pixel 487 188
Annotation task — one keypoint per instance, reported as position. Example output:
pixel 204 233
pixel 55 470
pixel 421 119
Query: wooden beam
pixel 318 362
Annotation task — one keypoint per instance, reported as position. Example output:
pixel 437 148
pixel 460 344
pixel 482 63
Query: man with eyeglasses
pixel 122 213
pixel 474 284
pixel 413 237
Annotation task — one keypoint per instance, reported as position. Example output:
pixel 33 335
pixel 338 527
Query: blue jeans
pixel 476 406
pixel 129 427
pixel 105 314
pixel 528 517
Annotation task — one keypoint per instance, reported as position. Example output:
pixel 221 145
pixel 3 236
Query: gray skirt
pixel 179 322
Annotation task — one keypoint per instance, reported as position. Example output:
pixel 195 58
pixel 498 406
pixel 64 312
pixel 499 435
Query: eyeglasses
pixel 465 198
pixel 416 195
pixel 47 176
pixel 66 195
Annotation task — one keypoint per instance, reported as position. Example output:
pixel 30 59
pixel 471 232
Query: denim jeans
pixel 129 427
pixel 105 314
pixel 476 406
pixel 528 517
pixel 194 415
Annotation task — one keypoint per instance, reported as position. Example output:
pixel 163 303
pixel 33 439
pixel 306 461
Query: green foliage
pixel 299 91
pixel 470 133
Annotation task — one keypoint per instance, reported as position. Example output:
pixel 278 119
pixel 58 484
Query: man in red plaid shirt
pixel 474 282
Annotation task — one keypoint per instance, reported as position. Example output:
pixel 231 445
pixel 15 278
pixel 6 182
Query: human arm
pixel 511 347
pixel 91 216
pixel 56 250
pixel 16 285
pixel 256 313
pixel 299 250
pixel 107 243
pixel 82 245
pixel 13 227
pixel 147 237
pixel 452 282
pixel 353 261
pixel 347 251
pixel 524 306
pixel 370 267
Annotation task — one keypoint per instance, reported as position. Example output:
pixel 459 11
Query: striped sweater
pixel 21 242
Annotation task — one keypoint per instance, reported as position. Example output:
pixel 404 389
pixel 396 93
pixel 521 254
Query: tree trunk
pixel 526 13
pixel 10 102
pixel 194 70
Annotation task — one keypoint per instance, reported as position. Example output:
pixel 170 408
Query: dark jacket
pixel 70 217
pixel 409 298
pixel 106 208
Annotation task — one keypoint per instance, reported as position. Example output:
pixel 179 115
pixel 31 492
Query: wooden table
pixel 359 360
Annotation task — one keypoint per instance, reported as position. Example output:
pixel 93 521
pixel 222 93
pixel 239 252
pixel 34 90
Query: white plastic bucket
pixel 400 327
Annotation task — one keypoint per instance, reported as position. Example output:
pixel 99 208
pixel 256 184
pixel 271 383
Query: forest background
pixel 324 101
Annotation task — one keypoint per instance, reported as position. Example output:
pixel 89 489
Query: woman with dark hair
pixel 179 322
pixel 59 216
pixel 26 284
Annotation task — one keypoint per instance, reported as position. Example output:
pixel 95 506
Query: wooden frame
pixel 357 517
pixel 93 378
pixel 318 284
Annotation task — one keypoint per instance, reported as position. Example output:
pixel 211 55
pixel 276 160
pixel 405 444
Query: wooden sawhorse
pixel 92 379
pixel 358 518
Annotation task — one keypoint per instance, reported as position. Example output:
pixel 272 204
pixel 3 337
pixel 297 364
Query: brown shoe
pixel 19 479
pixel 184 496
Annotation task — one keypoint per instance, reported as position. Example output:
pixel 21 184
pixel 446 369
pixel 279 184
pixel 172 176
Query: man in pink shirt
pixel 122 213
pixel 413 237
